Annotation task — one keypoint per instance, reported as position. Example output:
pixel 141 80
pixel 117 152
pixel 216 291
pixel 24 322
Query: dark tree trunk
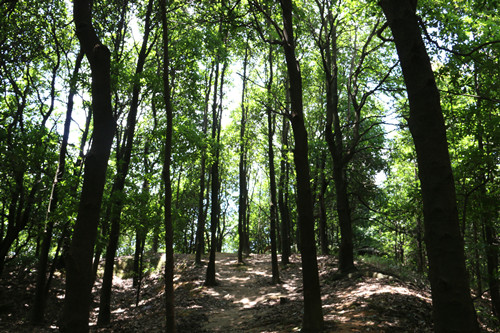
pixel 323 228
pixel 169 234
pixel 283 196
pixel 312 320
pixel 453 310
pixel 491 239
pixel 41 283
pixel 101 239
pixel 346 254
pixel 79 277
pixel 242 200
pixel 141 230
pixel 333 134
pixel 210 279
pixel 19 214
pixel 123 163
pixel 200 228
pixel 271 125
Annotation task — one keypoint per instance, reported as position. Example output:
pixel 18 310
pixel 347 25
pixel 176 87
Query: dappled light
pixel 249 166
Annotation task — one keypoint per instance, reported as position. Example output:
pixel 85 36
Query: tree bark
pixel 169 235
pixel 333 135
pixel 41 284
pixel 200 228
pixel 79 261
pixel 123 163
pixel 272 177
pixel 210 279
pixel 453 310
pixel 283 196
pixel 323 232
pixel 312 320
pixel 242 199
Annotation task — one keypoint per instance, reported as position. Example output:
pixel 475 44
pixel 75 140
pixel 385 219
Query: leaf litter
pixel 243 301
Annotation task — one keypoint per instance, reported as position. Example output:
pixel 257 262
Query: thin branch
pixel 468 54
pixel 494 100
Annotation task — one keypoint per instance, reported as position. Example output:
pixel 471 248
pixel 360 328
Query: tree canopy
pixel 138 127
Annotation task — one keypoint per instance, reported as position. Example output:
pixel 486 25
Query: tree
pixel 452 305
pixel 79 275
pixel 123 163
pixel 243 187
pixel 169 239
pixel 273 209
pixel 200 228
pixel 312 320
pixel 42 286
pixel 215 185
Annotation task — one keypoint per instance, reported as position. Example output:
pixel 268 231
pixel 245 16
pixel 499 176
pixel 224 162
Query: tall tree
pixel 123 163
pixel 169 239
pixel 202 213
pixel 283 193
pixel 210 279
pixel 41 285
pixel 273 213
pixel 312 320
pixel 452 304
pixel 243 187
pixel 79 277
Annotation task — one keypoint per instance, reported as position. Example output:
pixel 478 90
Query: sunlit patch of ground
pixel 244 300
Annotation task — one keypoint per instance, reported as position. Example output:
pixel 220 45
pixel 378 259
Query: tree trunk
pixel 312 320
pixel 79 264
pixel 123 163
pixel 283 196
pixel 333 134
pixel 242 200
pixel 453 310
pixel 200 228
pixel 271 125
pixel 169 234
pixel 41 282
pixel 323 232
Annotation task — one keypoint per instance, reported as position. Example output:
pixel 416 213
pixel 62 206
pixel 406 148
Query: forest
pixel 175 149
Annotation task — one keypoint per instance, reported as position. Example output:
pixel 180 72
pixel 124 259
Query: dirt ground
pixel 243 301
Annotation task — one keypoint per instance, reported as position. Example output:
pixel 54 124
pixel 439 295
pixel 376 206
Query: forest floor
pixel 373 299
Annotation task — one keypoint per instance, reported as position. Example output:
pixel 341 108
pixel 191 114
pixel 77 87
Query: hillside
pixel 375 299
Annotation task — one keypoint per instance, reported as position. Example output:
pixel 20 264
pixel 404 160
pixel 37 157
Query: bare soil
pixel 244 300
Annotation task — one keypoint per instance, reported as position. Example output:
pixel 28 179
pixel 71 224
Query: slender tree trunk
pixel 477 258
pixel 453 310
pixel 200 228
pixel 41 284
pixel 210 279
pixel 123 163
pixel 271 124
pixel 142 229
pixel 491 239
pixel 169 234
pixel 20 211
pixel 333 134
pixel 323 228
pixel 488 216
pixel 312 320
pixel 283 196
pixel 242 200
pixel 79 261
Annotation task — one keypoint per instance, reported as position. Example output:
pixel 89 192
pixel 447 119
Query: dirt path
pixel 245 300
pixel 250 302
pixel 371 300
